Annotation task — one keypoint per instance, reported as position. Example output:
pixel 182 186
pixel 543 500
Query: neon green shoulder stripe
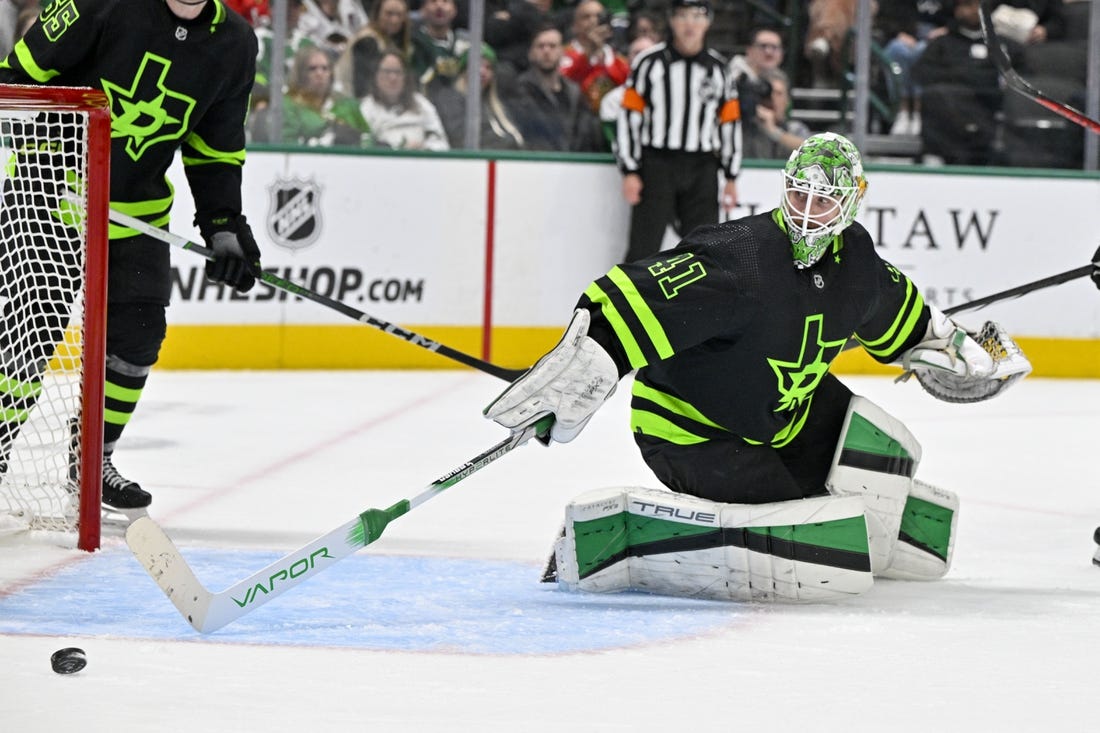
pixel 642 310
pixel 902 326
pixel 622 331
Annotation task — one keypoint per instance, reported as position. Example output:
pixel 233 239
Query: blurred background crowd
pixel 394 74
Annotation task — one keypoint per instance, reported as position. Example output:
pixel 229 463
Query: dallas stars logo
pixel 148 112
pixel 797 379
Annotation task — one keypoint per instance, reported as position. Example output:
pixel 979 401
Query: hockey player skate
pixel 120 493
pixel 123 500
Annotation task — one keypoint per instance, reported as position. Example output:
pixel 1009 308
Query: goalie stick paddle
pixel 275 281
pixel 1020 85
pixel 209 611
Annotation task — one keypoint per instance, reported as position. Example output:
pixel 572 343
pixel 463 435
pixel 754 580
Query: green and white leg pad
pixel 926 540
pixel 672 544
pixel 910 524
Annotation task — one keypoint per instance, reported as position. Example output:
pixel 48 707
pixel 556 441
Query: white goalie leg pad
pixel 926 541
pixel 875 460
pixel 661 542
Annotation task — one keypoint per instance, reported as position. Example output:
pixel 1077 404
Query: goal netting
pixel 54 190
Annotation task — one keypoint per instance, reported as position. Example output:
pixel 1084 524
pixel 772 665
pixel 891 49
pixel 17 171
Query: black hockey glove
pixel 236 257
pixel 1096 268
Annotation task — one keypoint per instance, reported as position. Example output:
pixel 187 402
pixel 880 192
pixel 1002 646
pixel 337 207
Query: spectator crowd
pixel 393 73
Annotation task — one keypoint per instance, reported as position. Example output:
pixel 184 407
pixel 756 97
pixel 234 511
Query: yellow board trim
pixel 361 347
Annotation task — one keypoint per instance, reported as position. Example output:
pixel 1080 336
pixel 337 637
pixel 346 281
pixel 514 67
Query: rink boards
pixel 489 255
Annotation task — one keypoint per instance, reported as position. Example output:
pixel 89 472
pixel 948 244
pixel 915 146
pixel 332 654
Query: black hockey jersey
pixel 730 339
pixel 172 84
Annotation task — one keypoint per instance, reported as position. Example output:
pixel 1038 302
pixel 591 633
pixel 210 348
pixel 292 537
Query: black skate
pixel 121 494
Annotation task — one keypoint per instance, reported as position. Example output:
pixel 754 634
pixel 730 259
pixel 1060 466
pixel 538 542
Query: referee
pixel 680 121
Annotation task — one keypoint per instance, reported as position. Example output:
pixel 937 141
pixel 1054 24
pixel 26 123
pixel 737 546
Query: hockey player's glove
pixel 1096 268
pixel 570 383
pixel 955 365
pixel 236 256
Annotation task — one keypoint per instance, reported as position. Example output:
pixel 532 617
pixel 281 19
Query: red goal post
pixel 55 144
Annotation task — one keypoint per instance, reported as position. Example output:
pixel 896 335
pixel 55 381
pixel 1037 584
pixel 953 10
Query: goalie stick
pixel 1090 270
pixel 1020 85
pixel 207 611
pixel 275 281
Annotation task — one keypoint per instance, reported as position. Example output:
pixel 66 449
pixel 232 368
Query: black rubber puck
pixel 68 661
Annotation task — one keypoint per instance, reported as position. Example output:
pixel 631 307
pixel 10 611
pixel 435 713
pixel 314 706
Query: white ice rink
pixel 442 626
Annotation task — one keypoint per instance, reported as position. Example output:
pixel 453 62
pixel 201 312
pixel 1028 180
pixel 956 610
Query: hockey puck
pixel 68 661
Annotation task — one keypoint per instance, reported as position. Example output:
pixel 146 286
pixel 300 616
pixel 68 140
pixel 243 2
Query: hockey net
pixel 54 194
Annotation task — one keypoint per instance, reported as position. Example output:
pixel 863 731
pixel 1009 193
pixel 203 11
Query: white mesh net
pixel 43 232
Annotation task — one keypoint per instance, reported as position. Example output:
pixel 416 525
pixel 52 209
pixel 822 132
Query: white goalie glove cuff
pixel 944 378
pixel 570 382
pixel 950 348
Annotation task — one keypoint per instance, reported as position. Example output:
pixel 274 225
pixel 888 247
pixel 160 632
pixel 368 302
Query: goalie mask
pixel 823 186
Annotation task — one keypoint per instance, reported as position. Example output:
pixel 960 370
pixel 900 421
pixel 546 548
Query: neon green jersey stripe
pixel 210 155
pixel 648 423
pixel 30 66
pixel 117 231
pixel 622 331
pixel 643 312
pixel 10 414
pixel 19 389
pixel 147 208
pixel 902 326
pixel 672 404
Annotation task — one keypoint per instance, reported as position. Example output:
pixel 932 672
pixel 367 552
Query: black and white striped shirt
pixel 675 102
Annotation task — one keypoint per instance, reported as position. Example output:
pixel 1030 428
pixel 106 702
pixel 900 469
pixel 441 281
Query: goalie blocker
pixel 875 520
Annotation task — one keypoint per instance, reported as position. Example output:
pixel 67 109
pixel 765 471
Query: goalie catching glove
pixel 570 382
pixel 955 365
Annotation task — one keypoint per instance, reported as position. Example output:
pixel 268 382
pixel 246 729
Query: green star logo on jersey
pixel 797 379
pixel 148 112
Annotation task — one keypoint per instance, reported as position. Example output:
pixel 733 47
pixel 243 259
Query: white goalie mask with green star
pixel 823 186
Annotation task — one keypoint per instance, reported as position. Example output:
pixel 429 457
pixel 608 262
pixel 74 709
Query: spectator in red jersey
pixel 589 59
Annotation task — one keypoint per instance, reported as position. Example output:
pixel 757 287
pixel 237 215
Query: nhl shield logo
pixel 294 218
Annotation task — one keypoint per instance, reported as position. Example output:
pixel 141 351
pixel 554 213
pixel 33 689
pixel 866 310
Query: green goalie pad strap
pixel 875 459
pixel 672 544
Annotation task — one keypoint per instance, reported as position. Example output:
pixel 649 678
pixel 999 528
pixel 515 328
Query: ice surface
pixel 441 625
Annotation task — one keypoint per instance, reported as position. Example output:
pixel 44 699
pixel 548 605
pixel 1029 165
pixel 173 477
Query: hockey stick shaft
pixel 1020 85
pixel 207 611
pixel 279 283
pixel 1016 292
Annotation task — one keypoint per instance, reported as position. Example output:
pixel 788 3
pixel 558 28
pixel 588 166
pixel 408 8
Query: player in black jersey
pixel 178 74
pixel 731 335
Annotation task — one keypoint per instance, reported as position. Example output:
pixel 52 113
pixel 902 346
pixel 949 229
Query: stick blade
pixel 160 558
